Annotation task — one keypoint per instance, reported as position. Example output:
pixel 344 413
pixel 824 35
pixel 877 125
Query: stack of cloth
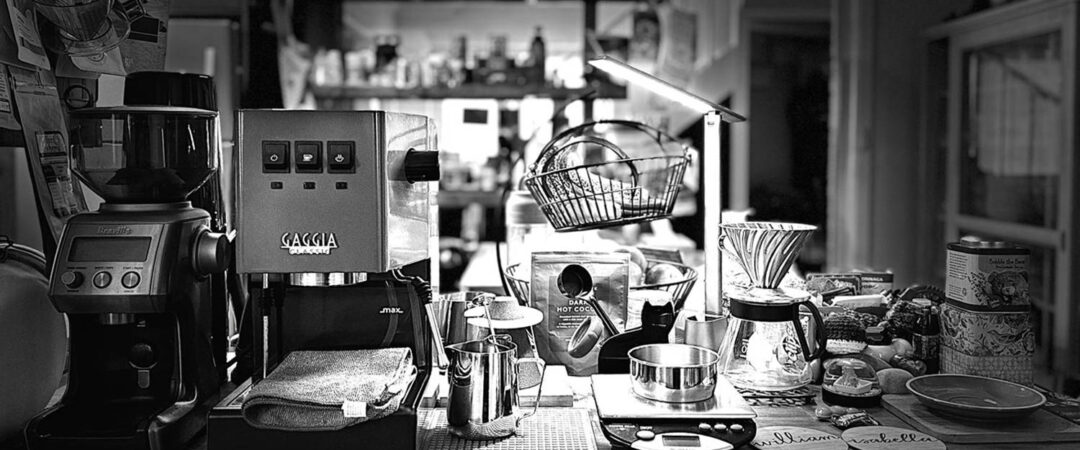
pixel 330 390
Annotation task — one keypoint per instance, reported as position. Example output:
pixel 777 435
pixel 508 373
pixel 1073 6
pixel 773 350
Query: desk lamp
pixel 713 182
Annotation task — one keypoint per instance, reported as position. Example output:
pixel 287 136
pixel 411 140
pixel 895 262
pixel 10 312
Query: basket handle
pixel 556 142
pixel 543 163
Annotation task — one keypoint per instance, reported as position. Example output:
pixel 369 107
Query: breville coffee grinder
pixel 132 278
pixel 337 235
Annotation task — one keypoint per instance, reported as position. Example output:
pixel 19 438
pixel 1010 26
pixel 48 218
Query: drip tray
pixel 550 428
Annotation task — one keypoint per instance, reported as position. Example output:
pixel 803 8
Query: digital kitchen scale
pixel 724 421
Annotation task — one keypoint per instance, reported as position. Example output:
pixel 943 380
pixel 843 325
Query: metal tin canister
pixel 987 275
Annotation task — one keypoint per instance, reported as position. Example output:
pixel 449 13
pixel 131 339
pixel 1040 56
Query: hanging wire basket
pixel 679 289
pixel 583 180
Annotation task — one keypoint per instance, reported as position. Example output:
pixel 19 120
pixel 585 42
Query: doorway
pixel 789 134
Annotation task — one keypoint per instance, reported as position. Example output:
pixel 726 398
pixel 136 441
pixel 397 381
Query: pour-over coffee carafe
pixel 765 346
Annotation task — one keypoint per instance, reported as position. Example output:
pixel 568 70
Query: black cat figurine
pixel 656 323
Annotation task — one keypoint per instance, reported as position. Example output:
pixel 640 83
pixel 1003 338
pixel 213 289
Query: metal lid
pixel 980 247
pixel 522 209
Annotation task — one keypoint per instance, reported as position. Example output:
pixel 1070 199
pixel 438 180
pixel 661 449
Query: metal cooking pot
pixel 673 373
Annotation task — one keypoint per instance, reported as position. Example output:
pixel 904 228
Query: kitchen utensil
pixel 705 331
pixel 449 314
pixel 766 250
pixel 483 378
pixel 576 282
pixel 1041 426
pixel 973 397
pixel 724 420
pixel 674 373
pixel 679 289
pixel 765 346
pixel 583 180
pixel 510 318
pixel 80 20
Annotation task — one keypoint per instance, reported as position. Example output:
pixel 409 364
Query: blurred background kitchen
pixel 895 127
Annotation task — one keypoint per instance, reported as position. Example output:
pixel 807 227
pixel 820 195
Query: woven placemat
pixel 793 397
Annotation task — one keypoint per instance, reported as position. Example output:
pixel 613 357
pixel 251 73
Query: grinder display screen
pixel 109 249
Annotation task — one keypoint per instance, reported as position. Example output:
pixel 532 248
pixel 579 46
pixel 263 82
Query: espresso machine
pixel 133 279
pixel 337 237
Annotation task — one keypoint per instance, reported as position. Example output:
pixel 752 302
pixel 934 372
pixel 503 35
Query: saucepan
pixel 673 373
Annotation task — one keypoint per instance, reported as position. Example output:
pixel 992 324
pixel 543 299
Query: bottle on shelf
pixel 537 56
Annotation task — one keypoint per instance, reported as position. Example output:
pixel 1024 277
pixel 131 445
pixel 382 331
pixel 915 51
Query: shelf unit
pixel 1000 100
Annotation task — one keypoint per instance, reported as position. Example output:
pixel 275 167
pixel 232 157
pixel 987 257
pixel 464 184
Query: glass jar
pixel 527 230
pixel 850 382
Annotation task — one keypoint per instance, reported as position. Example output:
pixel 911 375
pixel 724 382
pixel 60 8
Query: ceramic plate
pixel 975 398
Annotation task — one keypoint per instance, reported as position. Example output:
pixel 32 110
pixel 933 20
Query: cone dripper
pixel 766 250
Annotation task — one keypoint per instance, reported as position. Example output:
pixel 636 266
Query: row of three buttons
pixel 340 156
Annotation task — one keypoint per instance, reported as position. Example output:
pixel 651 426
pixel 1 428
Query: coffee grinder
pixel 132 278
pixel 337 236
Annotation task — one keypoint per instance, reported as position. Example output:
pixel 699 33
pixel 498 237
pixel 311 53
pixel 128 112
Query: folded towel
pixel 330 390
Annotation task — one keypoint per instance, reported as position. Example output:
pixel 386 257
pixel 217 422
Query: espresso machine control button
pixel 736 428
pixel 130 280
pixel 309 157
pixel 339 157
pixel 71 279
pixel 102 280
pixel 275 157
pixel 645 435
pixel 211 253
pixel 421 166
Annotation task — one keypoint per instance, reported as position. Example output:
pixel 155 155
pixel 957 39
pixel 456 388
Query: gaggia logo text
pixel 309 243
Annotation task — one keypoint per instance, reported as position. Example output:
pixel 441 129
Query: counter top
pixel 767 416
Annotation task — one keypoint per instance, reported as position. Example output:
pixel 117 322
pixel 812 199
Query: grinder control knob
pixel 421 166
pixel 71 279
pixel 211 253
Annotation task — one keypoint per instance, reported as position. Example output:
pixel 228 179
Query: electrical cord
pixel 520 158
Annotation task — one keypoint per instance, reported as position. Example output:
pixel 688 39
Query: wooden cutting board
pixel 1040 426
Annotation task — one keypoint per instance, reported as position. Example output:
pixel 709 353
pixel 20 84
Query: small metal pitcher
pixel 483 397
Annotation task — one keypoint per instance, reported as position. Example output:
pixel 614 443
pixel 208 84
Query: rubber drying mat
pixel 550 428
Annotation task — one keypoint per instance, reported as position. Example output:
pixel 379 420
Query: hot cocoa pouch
pixel 563 315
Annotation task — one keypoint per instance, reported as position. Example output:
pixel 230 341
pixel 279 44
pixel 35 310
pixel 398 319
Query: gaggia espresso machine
pixel 132 278
pixel 337 235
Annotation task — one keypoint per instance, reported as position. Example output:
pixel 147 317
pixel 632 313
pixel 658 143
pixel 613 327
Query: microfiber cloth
pixel 330 390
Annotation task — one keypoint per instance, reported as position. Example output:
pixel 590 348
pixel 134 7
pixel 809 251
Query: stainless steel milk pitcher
pixel 483 397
